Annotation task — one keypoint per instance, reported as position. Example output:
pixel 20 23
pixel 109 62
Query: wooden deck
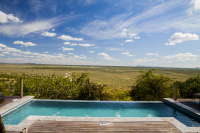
pixel 190 103
pixel 80 126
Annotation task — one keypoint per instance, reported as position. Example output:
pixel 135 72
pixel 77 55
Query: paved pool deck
pixel 29 121
pixel 9 99
pixel 8 107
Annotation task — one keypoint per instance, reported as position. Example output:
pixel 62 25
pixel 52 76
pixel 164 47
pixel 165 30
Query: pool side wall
pixel 188 110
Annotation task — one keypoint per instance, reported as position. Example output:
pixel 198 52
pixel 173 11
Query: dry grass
pixel 117 79
pixel 117 76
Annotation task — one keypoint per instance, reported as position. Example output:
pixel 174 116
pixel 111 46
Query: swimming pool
pixel 96 109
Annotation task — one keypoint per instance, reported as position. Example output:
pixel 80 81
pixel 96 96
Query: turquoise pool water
pixel 96 109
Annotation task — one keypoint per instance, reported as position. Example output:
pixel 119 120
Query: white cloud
pixel 132 35
pixel 66 43
pixel 69 38
pixel 31 27
pixel 71 53
pixel 143 60
pixel 152 54
pixel 53 29
pixel 170 44
pixel 5 53
pixel 43 58
pixel 2 45
pixel 91 51
pixel 9 49
pixel 123 33
pixel 46 52
pixel 131 40
pixel 103 54
pixel 67 49
pixel 48 34
pixel 196 4
pixel 26 52
pixel 16 54
pixel 130 55
pixel 6 18
pixel 167 61
pixel 136 37
pixel 30 56
pixel 73 44
pixel 126 53
pixel 86 45
pixel 186 59
pixel 121 44
pixel 151 20
pixel 180 37
pixel 107 57
pixel 114 49
pixel 80 57
pixel 181 57
pixel 26 44
pixel 97 47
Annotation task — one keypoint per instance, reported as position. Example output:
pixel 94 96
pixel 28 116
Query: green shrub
pixel 150 87
pixel 91 91
pixel 54 87
pixel 190 86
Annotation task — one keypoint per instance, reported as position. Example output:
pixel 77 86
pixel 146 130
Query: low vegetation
pixel 106 83
pixel 190 86
pixel 75 87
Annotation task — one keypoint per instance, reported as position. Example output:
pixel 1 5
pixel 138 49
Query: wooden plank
pixel 80 126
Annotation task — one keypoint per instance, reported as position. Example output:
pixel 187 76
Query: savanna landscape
pixel 116 82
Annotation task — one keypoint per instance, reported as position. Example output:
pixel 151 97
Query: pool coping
pixel 11 106
pixel 180 105
pixel 32 119
pixel 98 101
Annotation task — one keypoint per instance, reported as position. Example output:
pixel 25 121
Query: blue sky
pixel 101 32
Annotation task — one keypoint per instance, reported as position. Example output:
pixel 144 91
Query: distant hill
pixel 146 66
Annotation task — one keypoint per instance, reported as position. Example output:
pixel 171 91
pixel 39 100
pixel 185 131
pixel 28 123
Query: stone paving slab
pixel 9 99
pixel 14 104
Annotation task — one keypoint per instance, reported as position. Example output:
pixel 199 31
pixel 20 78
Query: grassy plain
pixel 110 75
pixel 118 79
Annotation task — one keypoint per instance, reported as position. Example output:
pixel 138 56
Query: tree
pixel 151 87
pixel 190 86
